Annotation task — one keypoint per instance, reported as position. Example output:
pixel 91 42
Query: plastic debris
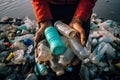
pixel 19 60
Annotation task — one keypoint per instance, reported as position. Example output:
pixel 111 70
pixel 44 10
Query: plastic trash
pixel 31 76
pixel 79 51
pixel 18 57
pixel 56 45
pixel 57 68
pixel 30 50
pixel 84 72
pixel 98 53
pixel 43 53
pixel 10 56
pixel 64 29
pixel 18 45
pixel 27 41
pixel 5 69
pixel 66 57
pixel 41 69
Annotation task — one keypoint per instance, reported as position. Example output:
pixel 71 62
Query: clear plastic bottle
pixel 80 51
pixel 105 39
pixel 18 57
pixel 84 72
pixel 57 68
pixel 98 53
pixel 65 29
pixel 43 52
pixel 31 76
pixel 66 57
pixel 110 51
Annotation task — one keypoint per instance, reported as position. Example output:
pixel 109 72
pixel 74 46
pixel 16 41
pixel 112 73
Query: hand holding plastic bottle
pixel 38 34
pixel 77 25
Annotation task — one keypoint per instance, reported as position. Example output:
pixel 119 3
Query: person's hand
pixel 38 34
pixel 77 25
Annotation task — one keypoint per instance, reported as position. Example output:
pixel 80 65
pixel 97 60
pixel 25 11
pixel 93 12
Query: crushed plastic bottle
pixel 43 52
pixel 18 45
pixel 18 57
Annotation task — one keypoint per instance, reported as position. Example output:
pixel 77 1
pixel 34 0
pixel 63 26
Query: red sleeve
pixel 41 10
pixel 84 9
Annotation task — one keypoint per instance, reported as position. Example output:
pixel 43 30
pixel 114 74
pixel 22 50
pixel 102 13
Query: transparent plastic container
pixel 64 29
pixel 57 68
pixel 66 57
pixel 80 51
pixel 84 72
pixel 18 57
pixel 43 52
pixel 98 53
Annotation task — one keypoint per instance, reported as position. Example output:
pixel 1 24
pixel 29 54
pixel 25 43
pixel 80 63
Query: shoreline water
pixel 108 9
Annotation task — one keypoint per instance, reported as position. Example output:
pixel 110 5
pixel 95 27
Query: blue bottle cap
pixel 27 41
pixel 69 69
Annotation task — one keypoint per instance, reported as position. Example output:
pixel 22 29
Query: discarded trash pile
pixel 20 61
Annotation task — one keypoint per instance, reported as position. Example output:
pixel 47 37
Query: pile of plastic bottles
pixel 20 61
pixel 16 48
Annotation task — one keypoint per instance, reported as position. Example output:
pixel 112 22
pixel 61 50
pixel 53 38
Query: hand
pixel 43 25
pixel 77 25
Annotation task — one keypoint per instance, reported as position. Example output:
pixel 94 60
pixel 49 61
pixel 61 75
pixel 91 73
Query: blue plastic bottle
pixel 56 45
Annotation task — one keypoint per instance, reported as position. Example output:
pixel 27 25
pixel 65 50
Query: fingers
pixel 37 37
pixel 38 34
pixel 81 33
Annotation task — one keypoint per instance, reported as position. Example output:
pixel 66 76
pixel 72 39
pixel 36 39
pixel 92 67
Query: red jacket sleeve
pixel 41 10
pixel 84 9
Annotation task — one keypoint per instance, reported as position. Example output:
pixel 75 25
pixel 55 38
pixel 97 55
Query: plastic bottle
pixel 10 56
pixel 27 41
pixel 43 52
pixel 65 29
pixel 22 27
pixel 30 49
pixel 98 53
pixel 17 45
pixel 56 45
pixel 58 69
pixel 84 72
pixel 89 46
pixel 31 76
pixel 41 69
pixel 66 57
pixel 110 51
pixel 18 57
pixel 106 24
pixel 80 52
pixel 105 39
